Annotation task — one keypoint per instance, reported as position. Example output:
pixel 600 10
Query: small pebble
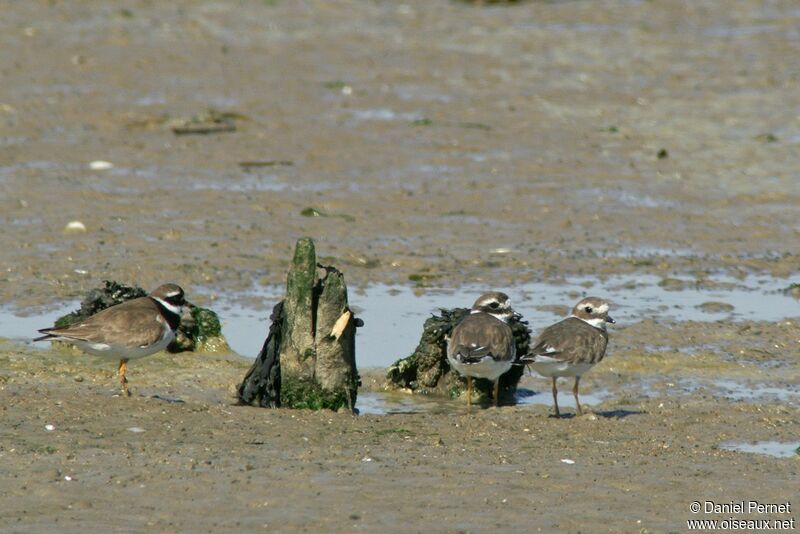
pixel 136 429
pixel 49 427
pixel 568 461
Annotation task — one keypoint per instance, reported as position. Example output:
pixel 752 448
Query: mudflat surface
pixel 446 131
pixel 439 142
pixel 203 465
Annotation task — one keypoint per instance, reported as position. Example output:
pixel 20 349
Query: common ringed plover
pixel 572 346
pixel 482 344
pixel 130 330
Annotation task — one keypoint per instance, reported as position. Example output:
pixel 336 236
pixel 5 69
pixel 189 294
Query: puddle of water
pixel 624 198
pixel 269 182
pixel 775 449
pixel 151 99
pixel 578 27
pixel 394 402
pixel 13 141
pixel 644 251
pixel 413 92
pixel 22 329
pixel 741 31
pixel 738 391
pixel 743 391
pixel 21 221
pixel 265 182
pixel 386 310
pixel 398 312
pixel 383 114
pixel 376 403
pixel 542 396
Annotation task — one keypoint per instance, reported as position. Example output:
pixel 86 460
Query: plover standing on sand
pixel 572 346
pixel 130 330
pixel 482 344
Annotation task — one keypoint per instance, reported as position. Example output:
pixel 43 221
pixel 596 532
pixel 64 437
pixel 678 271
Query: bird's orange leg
pixel 496 392
pixel 123 367
pixel 469 392
pixel 575 394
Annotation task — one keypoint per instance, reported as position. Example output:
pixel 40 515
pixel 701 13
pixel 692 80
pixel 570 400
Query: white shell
pixel 75 227
pixel 100 165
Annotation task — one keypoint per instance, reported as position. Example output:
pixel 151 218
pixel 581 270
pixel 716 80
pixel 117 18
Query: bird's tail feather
pixel 470 354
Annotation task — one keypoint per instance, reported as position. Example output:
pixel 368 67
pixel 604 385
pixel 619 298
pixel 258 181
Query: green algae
pixel 206 331
pixel 301 393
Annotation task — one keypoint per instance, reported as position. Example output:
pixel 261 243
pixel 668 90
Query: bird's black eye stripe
pixel 588 309
pixel 494 305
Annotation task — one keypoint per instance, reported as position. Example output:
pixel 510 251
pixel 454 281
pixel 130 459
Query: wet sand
pixel 443 144
pixel 204 464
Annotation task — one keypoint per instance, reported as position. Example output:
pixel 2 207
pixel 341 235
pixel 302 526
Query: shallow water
pixel 770 448
pixel 723 388
pixel 392 402
pixel 399 311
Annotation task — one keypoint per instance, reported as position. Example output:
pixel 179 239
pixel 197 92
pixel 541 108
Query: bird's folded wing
pixel 131 327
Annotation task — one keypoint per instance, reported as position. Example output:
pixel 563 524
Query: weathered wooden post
pixel 309 357
pixel 298 350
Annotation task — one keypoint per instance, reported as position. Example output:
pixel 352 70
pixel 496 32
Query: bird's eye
pixel 494 305
pixel 588 309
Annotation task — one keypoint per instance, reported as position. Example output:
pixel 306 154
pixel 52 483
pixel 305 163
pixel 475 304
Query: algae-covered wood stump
pixel 428 371
pixel 309 357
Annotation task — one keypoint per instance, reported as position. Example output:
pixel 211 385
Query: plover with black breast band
pixel 572 346
pixel 130 330
pixel 482 344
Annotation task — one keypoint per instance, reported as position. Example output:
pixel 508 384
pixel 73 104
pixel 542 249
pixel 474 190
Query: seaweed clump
pixel 100 298
pixel 427 370
pixel 199 329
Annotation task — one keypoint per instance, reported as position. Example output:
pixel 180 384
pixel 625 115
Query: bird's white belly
pixel 118 352
pixel 557 368
pixel 488 367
